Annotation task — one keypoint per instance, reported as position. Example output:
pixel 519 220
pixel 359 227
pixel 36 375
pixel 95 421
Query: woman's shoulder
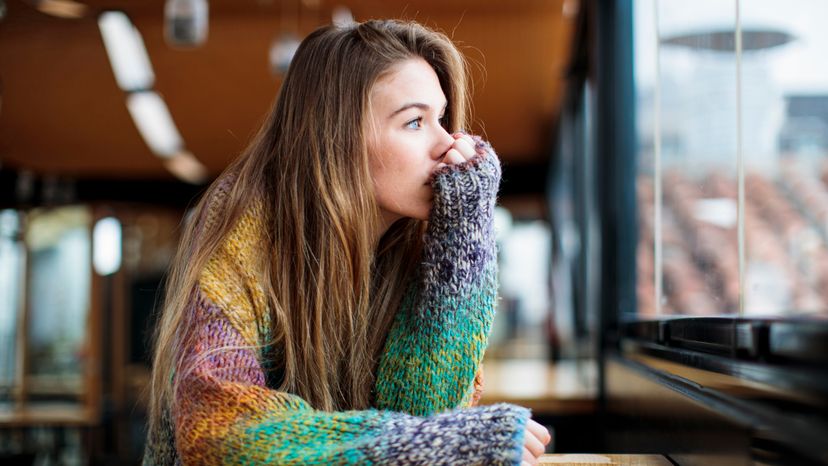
pixel 241 220
pixel 232 276
pixel 227 209
pixel 216 199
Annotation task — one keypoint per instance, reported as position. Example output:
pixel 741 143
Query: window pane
pixel 12 267
pixel 520 329
pixel 785 125
pixel 699 106
pixel 645 77
pixel 59 290
pixel 687 187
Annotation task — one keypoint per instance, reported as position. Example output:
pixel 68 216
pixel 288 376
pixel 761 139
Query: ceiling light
pixel 186 22
pixel 62 8
pixel 126 52
pixel 342 16
pixel 282 51
pixel 154 122
pixel 187 168
pixel 106 246
pixel 570 8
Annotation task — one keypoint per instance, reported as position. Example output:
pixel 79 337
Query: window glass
pixel 12 268
pixel 732 168
pixel 784 86
pixel 59 242
pixel 686 87
pixel 520 326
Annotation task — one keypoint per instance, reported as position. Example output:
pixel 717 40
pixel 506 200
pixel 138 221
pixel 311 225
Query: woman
pixel 331 299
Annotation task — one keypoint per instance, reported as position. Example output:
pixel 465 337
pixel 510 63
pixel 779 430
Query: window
pixel 59 243
pixel 521 326
pixel 12 268
pixel 732 176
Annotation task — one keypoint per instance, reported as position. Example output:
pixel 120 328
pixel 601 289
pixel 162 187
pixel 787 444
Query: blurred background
pixel 662 223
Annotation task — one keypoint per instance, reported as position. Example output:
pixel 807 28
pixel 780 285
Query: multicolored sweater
pixel 226 413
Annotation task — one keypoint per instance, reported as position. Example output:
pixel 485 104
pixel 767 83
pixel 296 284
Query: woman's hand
pixel 462 150
pixel 534 442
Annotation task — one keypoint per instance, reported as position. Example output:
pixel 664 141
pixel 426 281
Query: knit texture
pixel 425 384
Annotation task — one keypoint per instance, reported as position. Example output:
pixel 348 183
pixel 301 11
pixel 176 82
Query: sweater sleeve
pixel 225 414
pixel 437 341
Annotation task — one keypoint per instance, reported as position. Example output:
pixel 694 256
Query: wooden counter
pixel 47 414
pixel 563 388
pixel 592 459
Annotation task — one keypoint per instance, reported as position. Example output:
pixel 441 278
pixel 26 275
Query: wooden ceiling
pixel 63 114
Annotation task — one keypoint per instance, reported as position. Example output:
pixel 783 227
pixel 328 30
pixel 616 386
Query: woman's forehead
pixel 412 83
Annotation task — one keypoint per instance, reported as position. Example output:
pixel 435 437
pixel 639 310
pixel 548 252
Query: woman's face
pixel 405 139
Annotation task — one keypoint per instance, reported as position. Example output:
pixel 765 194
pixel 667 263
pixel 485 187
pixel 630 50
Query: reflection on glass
pixel 707 109
pixel 687 132
pixel 786 199
pixel 59 291
pixel 12 266
pixel 645 253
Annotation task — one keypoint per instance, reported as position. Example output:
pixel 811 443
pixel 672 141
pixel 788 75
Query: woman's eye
pixel 415 123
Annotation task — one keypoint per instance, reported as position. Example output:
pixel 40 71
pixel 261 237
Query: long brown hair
pixel 332 291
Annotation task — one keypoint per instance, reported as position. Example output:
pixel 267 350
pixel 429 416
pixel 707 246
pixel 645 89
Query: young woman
pixel 333 293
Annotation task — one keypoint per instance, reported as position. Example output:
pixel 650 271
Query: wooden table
pixel 562 388
pixel 592 459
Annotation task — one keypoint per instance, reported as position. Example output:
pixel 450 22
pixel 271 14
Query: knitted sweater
pixel 226 414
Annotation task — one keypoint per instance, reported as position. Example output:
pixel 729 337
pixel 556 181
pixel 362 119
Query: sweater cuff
pixel 467 189
pixel 491 435
pixel 519 417
pixel 500 436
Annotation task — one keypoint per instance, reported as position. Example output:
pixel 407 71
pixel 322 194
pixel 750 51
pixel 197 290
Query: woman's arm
pixel 436 344
pixel 226 415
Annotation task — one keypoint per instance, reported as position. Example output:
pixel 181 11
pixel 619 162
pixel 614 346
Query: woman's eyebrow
pixel 420 105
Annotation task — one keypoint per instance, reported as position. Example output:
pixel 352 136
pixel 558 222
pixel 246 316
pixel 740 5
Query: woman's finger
pixel 453 156
pixel 470 140
pixel 464 147
pixel 528 457
pixel 533 444
pixel 540 432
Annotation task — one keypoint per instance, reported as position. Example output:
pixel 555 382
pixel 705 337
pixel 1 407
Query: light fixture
pixel 106 246
pixel 342 17
pixel 154 122
pixel 126 52
pixel 284 47
pixel 62 8
pixel 282 51
pixel 570 8
pixel 186 168
pixel 186 22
